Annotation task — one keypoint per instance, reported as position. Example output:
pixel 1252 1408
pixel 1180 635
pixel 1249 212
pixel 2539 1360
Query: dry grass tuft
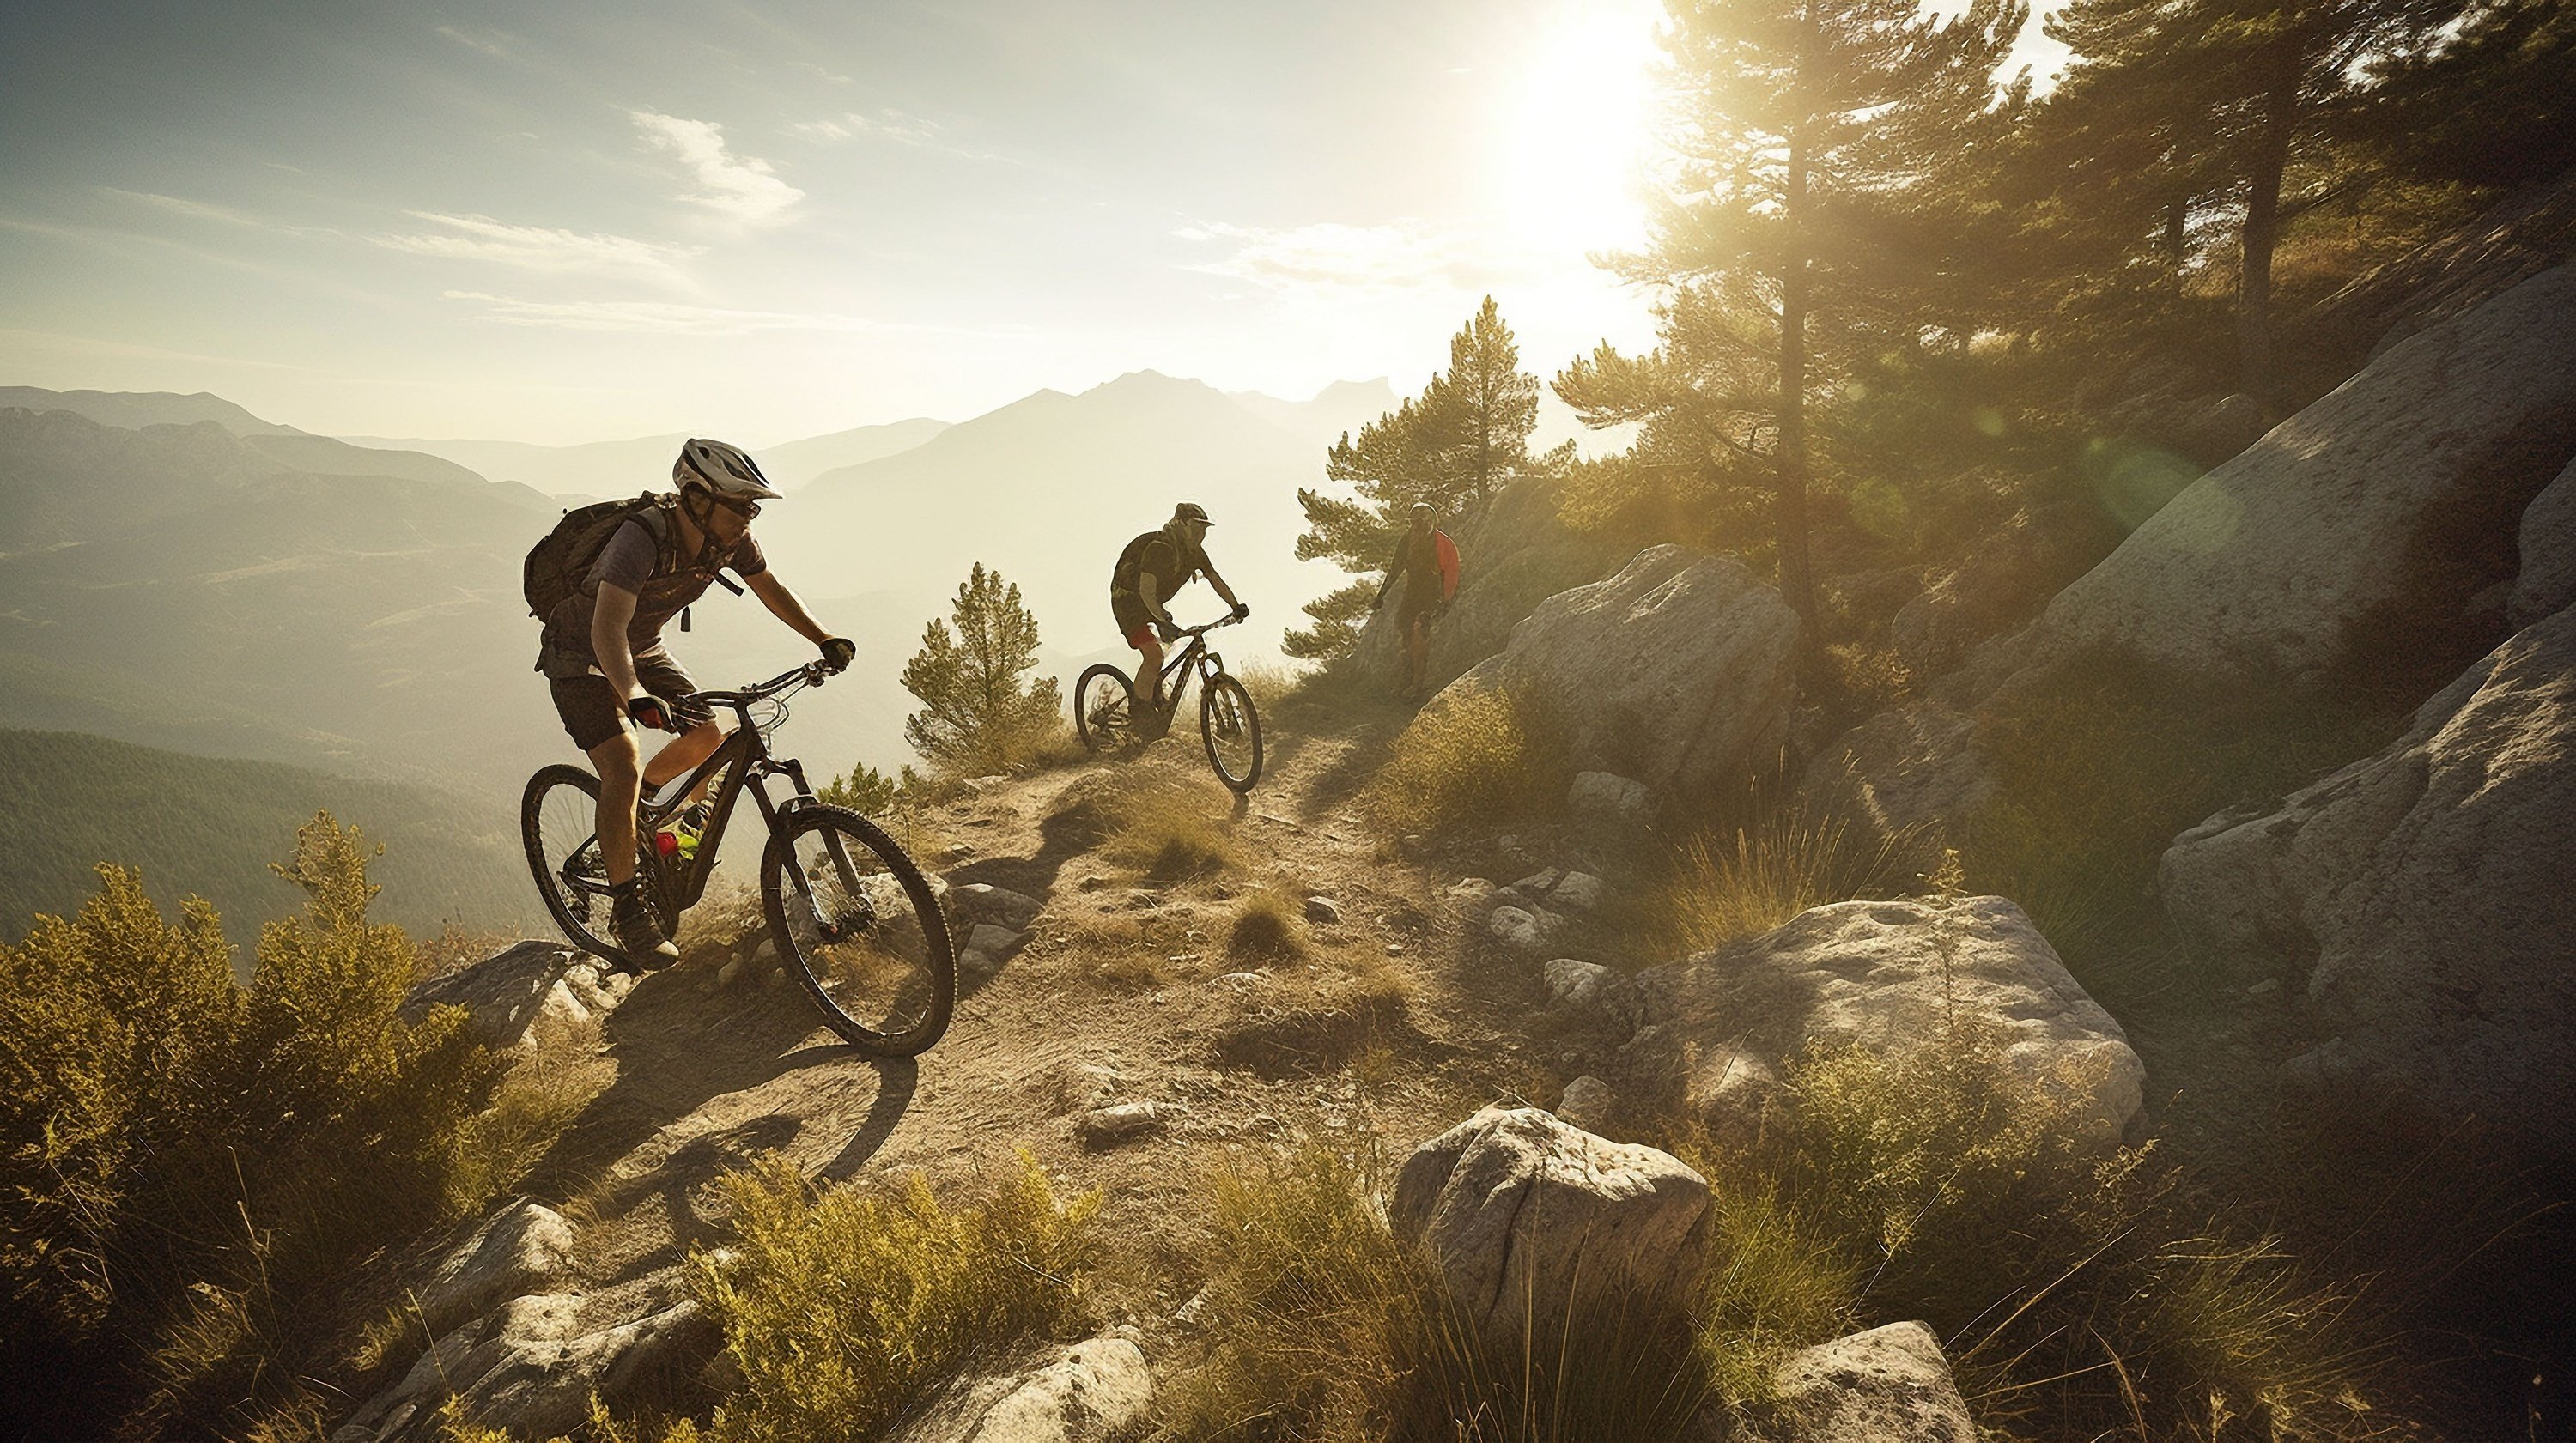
pixel 1268 928
pixel 1476 758
pixel 1723 889
pixel 1171 829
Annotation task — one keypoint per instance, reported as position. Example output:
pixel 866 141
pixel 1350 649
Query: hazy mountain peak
pixel 134 410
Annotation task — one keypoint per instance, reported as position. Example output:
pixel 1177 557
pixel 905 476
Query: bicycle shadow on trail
pixel 757 1069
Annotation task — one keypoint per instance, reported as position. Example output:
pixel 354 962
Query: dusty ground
pixel 1126 993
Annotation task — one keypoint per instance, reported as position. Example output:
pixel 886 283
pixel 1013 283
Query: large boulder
pixel 1088 1393
pixel 1513 553
pixel 2424 891
pixel 1886 1385
pixel 1718 1029
pixel 1531 1221
pixel 2547 581
pixel 2001 582
pixel 2365 534
pixel 516 1253
pixel 1678 672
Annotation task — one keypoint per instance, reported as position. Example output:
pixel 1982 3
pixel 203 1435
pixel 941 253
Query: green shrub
pixel 1474 758
pixel 844 1310
pixel 186 1165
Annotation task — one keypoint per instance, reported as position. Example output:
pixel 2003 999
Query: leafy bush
pixel 1477 757
pixel 844 1311
pixel 186 1165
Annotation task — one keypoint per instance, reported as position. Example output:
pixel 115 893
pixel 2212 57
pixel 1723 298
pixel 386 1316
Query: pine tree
pixel 1463 439
pixel 978 715
pixel 1819 142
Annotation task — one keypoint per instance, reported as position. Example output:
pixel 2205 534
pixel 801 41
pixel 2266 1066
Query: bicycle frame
pixel 1194 658
pixel 746 752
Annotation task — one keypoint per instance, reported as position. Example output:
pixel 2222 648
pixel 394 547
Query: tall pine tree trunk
pixel 1797 578
pixel 2262 229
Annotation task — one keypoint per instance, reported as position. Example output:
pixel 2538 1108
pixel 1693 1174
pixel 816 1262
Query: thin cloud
pixel 829 77
pixel 536 248
pixel 660 318
pixel 1329 255
pixel 891 125
pixel 741 189
pixel 201 210
pixel 494 43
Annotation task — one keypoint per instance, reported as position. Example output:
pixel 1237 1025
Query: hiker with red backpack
pixel 1426 561
pixel 606 581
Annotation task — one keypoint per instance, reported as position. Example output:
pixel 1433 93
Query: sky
pixel 587 220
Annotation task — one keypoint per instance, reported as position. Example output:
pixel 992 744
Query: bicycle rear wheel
pixel 1232 731
pixel 559 823
pixel 858 927
pixel 1104 708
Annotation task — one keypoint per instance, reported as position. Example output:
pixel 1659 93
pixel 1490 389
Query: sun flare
pixel 1579 127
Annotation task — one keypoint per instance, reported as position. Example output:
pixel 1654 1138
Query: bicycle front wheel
pixel 559 823
pixel 1232 731
pixel 1104 708
pixel 857 926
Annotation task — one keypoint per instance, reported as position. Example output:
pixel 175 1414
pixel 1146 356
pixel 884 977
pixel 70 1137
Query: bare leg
pixel 1149 673
pixel 618 761
pixel 684 751
pixel 1417 650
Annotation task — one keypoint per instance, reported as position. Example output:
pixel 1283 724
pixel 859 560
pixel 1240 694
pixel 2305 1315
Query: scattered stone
pixel 1576 892
pixel 1109 1126
pixel 1608 800
pixel 1089 1393
pixel 1195 1311
pixel 1238 980
pixel 1540 884
pixel 981 902
pixel 988 947
pixel 1530 1220
pixel 1522 930
pixel 1587 1103
pixel 1323 910
pixel 529 1370
pixel 515 1253
pixel 507 994
pixel 1395 949
pixel 1716 1029
pixel 1887 1385
pixel 729 973
pixel 1576 984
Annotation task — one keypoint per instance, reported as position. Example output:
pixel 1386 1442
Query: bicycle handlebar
pixel 812 673
pixel 1205 627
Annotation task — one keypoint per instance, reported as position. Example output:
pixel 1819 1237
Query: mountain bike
pixel 853 919
pixel 1105 711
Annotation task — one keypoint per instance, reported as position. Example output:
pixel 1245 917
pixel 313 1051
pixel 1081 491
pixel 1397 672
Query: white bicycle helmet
pixel 727 471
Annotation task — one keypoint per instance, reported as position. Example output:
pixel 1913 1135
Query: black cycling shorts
pixel 593 712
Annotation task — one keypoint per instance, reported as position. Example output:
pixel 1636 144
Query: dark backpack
pixel 556 566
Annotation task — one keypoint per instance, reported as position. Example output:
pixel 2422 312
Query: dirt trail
pixel 1125 993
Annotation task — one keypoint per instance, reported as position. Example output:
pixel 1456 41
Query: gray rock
pixel 1717 1029
pixel 1526 931
pixel 1576 892
pixel 1530 1221
pixel 1587 1103
pixel 1920 770
pixel 1606 799
pixel 2357 531
pixel 2424 892
pixel 1109 1126
pixel 1577 984
pixel 981 902
pixel 1887 1385
pixel 1088 1393
pixel 530 1369
pixel 987 947
pixel 2547 581
pixel 506 995
pixel 1323 911
pixel 1678 671
pixel 515 1253
pixel 1539 884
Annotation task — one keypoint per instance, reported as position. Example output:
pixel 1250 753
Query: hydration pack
pixel 556 566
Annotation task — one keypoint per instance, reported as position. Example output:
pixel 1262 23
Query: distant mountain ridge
pixel 616 468
pixel 200 826
pixel 133 410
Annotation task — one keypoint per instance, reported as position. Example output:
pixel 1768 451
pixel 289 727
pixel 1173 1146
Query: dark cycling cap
pixel 1191 511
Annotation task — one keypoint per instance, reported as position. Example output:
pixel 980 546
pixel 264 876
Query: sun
pixel 1579 127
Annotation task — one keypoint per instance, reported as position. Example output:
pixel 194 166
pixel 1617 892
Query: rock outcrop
pixel 1677 672
pixel 1531 1221
pixel 2364 532
pixel 521 1249
pixel 2547 581
pixel 2424 892
pixel 507 995
pixel 1718 1029
pixel 531 1367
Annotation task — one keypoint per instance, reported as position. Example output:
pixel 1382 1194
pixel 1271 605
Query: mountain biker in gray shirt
pixel 604 659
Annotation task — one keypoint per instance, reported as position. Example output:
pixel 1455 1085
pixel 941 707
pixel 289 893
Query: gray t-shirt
pixel 632 560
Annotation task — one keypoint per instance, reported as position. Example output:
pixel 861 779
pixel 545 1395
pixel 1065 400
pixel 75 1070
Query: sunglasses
pixel 744 509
